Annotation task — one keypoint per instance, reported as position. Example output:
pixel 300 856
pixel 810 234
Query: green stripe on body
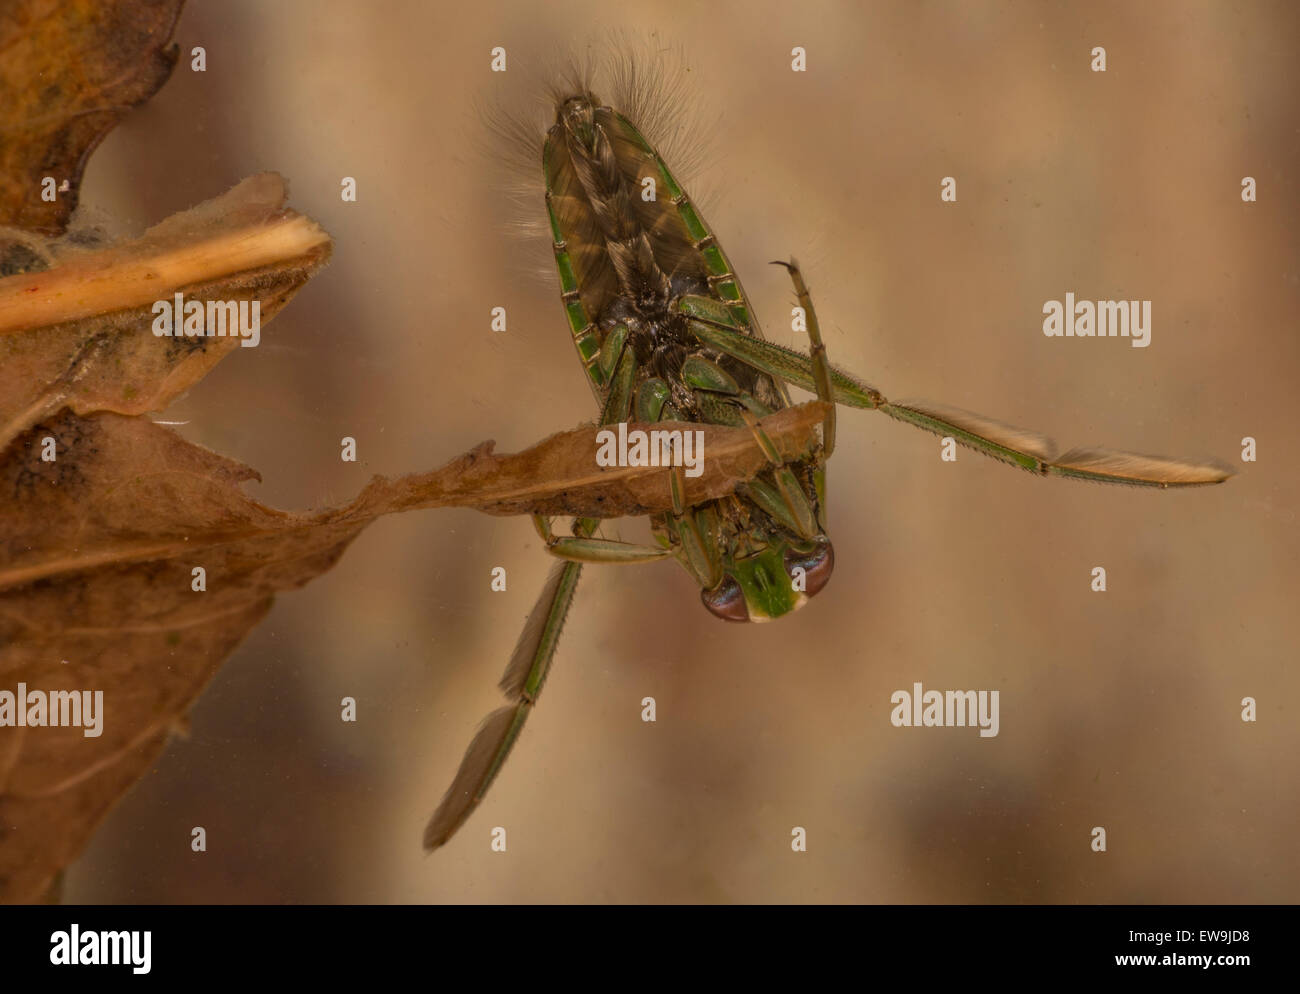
pixel 716 264
pixel 586 337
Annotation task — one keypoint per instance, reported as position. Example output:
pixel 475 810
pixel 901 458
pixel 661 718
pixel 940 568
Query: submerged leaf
pixel 97 553
pixel 80 335
pixel 68 76
pixel 559 476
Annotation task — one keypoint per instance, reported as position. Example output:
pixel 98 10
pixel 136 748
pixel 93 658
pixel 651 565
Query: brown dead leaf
pixel 559 475
pixel 126 490
pixel 79 334
pixel 97 550
pixel 98 545
pixel 69 71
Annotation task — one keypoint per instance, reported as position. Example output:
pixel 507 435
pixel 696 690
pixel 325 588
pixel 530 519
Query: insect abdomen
pixel 591 152
pixel 628 241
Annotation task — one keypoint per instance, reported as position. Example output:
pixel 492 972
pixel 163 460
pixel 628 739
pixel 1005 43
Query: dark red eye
pixel 726 600
pixel 818 566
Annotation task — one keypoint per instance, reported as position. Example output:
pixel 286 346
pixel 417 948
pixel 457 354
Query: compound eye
pixel 818 566
pixel 726 600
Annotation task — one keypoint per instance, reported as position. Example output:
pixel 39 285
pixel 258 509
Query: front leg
pixel 583 549
pixel 821 367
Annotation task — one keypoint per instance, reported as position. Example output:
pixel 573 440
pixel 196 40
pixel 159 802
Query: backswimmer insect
pixel 665 332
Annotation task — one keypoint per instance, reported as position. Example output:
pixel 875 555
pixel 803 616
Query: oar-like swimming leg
pixel 522 682
pixel 1028 450
pixel 713 325
pixel 529 665
pixel 531 660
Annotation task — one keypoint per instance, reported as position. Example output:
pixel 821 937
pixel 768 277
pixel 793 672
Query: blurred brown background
pixel 1119 709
